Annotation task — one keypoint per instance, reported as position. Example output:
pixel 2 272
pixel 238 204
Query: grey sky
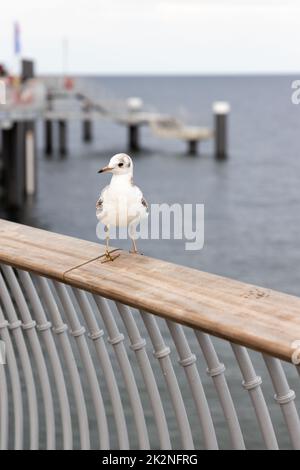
pixel 156 36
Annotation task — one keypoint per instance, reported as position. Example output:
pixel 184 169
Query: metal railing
pixel 80 371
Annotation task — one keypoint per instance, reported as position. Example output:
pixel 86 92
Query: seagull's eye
pixel 120 164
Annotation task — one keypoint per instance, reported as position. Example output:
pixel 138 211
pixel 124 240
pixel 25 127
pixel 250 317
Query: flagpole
pixel 17 49
pixel 65 53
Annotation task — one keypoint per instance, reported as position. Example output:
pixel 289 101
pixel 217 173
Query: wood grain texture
pixel 43 252
pixel 262 319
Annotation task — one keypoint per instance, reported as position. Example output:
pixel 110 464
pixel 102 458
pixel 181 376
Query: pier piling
pixel 48 135
pixel 87 134
pixel 192 147
pixel 30 159
pixel 13 151
pixel 133 137
pixel 221 111
pixel 62 137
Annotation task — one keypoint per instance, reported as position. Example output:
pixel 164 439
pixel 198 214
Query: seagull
pixel 121 203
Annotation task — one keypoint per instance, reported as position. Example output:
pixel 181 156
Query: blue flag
pixel 17 42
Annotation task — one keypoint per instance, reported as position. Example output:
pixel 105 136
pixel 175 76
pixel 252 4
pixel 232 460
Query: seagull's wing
pixel 142 199
pixel 99 203
pixel 145 204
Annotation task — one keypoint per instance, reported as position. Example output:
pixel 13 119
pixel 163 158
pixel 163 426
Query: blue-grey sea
pixel 252 200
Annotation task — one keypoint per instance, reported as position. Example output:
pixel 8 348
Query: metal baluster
pixel 162 352
pixel 17 334
pixel 138 345
pixel 78 331
pixel 216 371
pixel 44 327
pixel 188 361
pixel 252 384
pixel 3 405
pixel 61 330
pixel 97 337
pixel 285 397
pixel 15 383
pixel 116 339
pixel 29 326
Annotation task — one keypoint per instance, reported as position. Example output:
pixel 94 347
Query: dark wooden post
pixel 87 135
pixel 221 111
pixel 27 73
pixel 48 126
pixel 133 137
pixel 13 145
pixel 27 70
pixel 192 147
pixel 48 135
pixel 30 159
pixel 62 137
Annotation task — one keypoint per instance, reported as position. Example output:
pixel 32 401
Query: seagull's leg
pixel 107 240
pixel 132 234
pixel 134 247
pixel 107 254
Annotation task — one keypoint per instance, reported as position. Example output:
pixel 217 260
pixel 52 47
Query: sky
pixel 154 36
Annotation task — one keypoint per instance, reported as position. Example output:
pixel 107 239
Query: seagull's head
pixel 119 164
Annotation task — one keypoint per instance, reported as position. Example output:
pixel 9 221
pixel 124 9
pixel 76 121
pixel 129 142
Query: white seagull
pixel 121 203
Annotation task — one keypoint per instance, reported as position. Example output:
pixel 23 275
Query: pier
pixel 65 316
pixel 57 108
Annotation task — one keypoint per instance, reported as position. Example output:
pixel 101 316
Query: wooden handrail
pixel 262 319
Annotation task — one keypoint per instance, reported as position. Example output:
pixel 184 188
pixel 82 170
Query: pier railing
pixel 112 355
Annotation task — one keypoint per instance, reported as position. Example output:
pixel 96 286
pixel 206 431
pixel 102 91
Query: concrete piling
pixel 48 137
pixel 221 111
pixel 87 134
pixel 13 151
pixel 62 137
pixel 134 106
pixel 19 162
pixel 192 147
pixel 133 137
pixel 30 160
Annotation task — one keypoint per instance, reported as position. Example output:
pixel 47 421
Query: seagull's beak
pixel 105 169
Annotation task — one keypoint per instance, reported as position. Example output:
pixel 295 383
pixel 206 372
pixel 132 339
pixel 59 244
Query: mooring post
pixel 48 126
pixel 1 165
pixel 13 151
pixel 221 111
pixel 30 159
pixel 133 137
pixel 48 134
pixel 134 106
pixel 62 137
pixel 192 147
pixel 87 135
